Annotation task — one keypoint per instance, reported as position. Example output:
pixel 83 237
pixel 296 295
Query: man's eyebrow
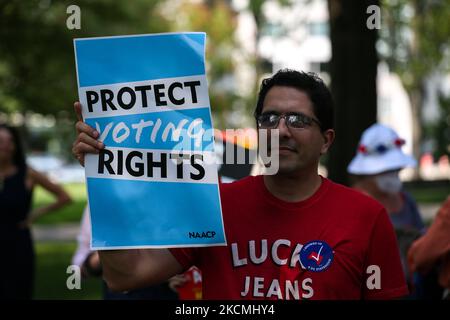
pixel 290 112
pixel 270 111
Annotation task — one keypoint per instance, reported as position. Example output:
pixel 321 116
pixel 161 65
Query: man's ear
pixel 328 137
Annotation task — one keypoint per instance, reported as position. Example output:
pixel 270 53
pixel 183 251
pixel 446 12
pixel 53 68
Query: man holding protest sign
pixel 292 235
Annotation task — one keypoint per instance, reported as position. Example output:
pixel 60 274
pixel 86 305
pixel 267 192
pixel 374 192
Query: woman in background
pixel 17 181
pixel 375 171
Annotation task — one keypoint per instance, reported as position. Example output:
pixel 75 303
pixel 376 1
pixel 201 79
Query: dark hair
pixel 19 155
pixel 311 84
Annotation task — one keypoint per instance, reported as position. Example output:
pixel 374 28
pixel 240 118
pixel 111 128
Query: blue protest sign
pixel 156 183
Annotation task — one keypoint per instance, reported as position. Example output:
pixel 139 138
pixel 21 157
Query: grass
pixel 72 213
pixel 429 194
pixel 67 214
pixel 52 260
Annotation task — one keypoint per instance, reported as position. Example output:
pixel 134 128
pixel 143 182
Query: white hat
pixel 379 150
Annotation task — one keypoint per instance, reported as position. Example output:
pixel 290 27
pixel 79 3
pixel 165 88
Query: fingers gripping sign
pixel 87 136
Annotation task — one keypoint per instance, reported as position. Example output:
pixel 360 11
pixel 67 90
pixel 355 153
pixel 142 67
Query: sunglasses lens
pixel 296 121
pixel 293 120
pixel 268 120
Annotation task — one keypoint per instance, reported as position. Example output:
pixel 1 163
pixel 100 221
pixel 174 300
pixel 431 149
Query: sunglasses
pixel 270 120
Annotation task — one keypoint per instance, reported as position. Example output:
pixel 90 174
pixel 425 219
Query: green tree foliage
pixel 417 35
pixel 37 65
pixel 261 66
pixel 37 68
pixel 416 43
pixel 217 19
pixel 439 131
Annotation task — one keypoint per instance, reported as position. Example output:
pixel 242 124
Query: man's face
pixel 299 149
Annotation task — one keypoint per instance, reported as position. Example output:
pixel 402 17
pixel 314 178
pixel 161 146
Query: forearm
pixel 62 200
pixel 118 265
pixel 41 211
pixel 130 269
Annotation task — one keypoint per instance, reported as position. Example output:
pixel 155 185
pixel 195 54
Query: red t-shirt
pixel 338 244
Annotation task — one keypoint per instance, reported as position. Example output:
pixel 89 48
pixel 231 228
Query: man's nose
pixel 283 128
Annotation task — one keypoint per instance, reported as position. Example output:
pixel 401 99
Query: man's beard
pixel 288 165
pixel 289 161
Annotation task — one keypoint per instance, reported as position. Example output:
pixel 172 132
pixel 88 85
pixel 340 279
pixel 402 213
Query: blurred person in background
pixel 432 250
pixel 375 171
pixel 17 181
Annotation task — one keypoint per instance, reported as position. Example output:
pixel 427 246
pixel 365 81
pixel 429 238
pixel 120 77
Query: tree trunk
pixel 258 17
pixel 353 80
pixel 416 97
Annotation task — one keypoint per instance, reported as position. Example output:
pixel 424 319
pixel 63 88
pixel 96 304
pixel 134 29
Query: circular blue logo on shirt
pixel 316 256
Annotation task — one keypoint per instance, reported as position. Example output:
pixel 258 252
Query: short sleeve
pixel 186 257
pixel 383 272
pixel 434 245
